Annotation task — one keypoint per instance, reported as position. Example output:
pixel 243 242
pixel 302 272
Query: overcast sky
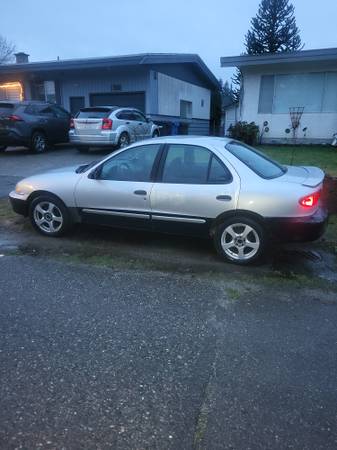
pixel 213 28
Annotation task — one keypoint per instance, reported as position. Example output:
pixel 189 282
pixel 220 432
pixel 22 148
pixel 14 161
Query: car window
pixel 134 164
pixel 60 112
pixel 218 172
pixel 137 116
pixel 46 111
pixel 124 115
pixel 93 113
pixel 255 160
pixel 186 164
pixel 6 108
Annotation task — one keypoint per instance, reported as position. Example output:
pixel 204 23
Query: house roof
pixel 323 54
pixel 113 62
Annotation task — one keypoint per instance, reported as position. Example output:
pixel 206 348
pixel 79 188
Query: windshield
pixel 255 160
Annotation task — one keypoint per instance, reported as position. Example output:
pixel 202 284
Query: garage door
pixel 128 99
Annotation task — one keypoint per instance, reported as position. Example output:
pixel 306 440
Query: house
pixel 174 89
pixel 291 96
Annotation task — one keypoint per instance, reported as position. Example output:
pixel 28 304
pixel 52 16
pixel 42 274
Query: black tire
pixel 124 140
pixel 39 142
pixel 155 134
pixel 83 149
pixel 3 148
pixel 238 244
pixel 43 209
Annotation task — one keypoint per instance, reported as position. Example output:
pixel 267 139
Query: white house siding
pixel 320 126
pixel 171 91
pixel 135 80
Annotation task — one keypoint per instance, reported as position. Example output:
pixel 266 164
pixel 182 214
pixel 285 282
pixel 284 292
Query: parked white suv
pixel 109 126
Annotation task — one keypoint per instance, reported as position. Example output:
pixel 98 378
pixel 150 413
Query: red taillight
pixel 15 118
pixel 106 124
pixel 310 200
pixel 72 123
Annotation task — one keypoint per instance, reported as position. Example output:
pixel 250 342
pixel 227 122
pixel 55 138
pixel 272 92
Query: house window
pixel 202 103
pixel 44 91
pixel 316 92
pixel 185 109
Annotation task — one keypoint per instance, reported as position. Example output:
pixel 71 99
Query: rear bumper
pixel 299 229
pixel 104 139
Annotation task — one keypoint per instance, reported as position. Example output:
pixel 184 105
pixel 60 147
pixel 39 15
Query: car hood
pixel 305 175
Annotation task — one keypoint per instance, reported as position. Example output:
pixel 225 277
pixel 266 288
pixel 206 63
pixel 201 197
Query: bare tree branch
pixel 7 50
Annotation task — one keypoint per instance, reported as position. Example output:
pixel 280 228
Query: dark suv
pixel 36 125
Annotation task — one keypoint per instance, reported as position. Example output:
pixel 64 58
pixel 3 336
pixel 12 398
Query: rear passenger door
pixel 47 120
pixel 139 125
pixel 193 187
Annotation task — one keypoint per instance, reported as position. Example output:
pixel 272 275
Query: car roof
pixel 193 140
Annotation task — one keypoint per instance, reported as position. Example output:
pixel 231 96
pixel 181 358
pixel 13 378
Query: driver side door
pixel 117 193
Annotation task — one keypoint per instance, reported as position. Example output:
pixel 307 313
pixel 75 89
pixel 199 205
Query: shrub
pixel 244 131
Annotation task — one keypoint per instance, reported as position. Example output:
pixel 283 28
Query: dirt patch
pixel 125 250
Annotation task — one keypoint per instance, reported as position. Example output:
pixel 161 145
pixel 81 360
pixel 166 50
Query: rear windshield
pixel 6 108
pixel 256 161
pixel 93 113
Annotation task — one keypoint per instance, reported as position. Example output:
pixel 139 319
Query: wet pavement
pixel 94 358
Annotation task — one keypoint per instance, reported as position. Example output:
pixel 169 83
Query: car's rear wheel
pixel 49 216
pixel 3 148
pixel 124 140
pixel 155 134
pixel 39 142
pixel 240 240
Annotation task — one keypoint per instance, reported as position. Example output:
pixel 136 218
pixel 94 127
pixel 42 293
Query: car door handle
pixel 140 192
pixel 127 123
pixel 224 198
pixel 140 123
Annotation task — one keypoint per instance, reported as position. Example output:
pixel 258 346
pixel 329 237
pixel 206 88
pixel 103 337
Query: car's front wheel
pixel 39 142
pixel 3 148
pixel 49 216
pixel 240 240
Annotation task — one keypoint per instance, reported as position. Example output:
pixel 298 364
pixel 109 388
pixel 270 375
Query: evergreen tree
pixel 273 29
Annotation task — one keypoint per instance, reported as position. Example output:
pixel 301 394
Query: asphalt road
pixel 17 163
pixel 92 358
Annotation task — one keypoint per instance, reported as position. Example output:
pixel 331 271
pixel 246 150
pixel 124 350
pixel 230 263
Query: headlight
pixel 20 190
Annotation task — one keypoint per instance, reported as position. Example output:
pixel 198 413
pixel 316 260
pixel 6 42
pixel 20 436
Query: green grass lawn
pixel 315 155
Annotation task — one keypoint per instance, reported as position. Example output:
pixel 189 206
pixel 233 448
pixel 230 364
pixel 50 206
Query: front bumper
pixel 299 229
pixel 19 204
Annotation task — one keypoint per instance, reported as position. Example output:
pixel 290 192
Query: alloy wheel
pixel 124 140
pixel 48 217
pixel 240 241
pixel 39 143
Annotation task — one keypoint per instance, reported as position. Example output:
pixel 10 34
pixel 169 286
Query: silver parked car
pixel 214 187
pixel 110 126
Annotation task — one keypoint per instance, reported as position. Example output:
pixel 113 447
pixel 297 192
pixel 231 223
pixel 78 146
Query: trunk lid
pixel 89 121
pixel 304 175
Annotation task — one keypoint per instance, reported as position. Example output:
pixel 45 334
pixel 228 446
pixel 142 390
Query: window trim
pixel 253 150
pixel 274 75
pixel 162 161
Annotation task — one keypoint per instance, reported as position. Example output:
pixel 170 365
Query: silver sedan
pixel 203 186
